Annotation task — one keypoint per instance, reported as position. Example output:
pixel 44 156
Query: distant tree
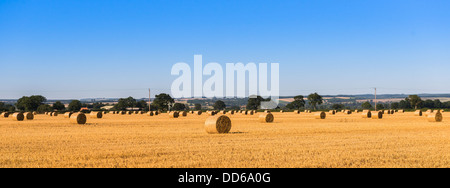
pixel 428 103
pixel 187 107
pixel 44 108
pixel 235 108
pixel 415 101
pixel 179 107
pixel 314 100
pixel 254 103
pixel 142 105
pixel 125 103
pixel 366 105
pixel 198 106
pixel 395 105
pixel 97 106
pixel 58 106
pixel 380 106
pixel 30 103
pixel 298 103
pixel 338 106
pixel 219 105
pixel 74 105
pixel 405 104
pixel 438 104
pixel 12 108
pixel 163 101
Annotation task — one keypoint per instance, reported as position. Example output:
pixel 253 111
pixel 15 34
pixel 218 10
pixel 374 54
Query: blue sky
pixel 86 48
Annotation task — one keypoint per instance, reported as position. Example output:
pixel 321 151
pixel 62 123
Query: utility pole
pixel 149 100
pixel 375 99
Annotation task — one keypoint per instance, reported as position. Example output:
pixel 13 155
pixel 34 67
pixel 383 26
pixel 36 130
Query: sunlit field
pixel 292 141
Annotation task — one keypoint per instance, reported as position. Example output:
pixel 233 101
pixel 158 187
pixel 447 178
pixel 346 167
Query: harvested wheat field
pixel 292 140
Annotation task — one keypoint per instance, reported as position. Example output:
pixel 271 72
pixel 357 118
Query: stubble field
pixel 292 141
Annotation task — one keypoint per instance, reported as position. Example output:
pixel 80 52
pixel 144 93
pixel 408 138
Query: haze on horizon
pixel 109 49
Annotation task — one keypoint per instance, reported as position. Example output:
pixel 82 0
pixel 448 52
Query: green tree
pixel 315 99
pixel 395 105
pixel 254 103
pixel 219 105
pixel 298 103
pixel 74 105
pixel 59 106
pixel 380 106
pixel 30 103
pixel 179 107
pixel 366 105
pixel 44 108
pixel 142 105
pixel 125 103
pixel 198 106
pixel 162 101
pixel 415 101
pixel 338 106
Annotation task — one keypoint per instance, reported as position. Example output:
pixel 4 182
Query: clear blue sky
pixel 97 48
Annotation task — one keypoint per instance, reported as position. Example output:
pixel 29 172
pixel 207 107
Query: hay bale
pixel 184 114
pixel 435 117
pixel 266 118
pixel 251 112
pixel 377 115
pixel 34 113
pixel 67 114
pixel 4 115
pixel 366 114
pixel 151 113
pixel 418 113
pixel 28 115
pixel 198 112
pixel 97 115
pixel 308 111
pixel 18 116
pixel 332 112
pixel 232 112
pixel 347 112
pixel 129 112
pixel 54 114
pixel 78 118
pixel 320 115
pixel 218 124
pixel 392 111
pixel 136 112
pixel 401 111
pixel 281 111
pixel 174 114
pixel 296 111
pixel 356 111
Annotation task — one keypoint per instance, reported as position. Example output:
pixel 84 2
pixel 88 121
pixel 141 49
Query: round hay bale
pixel 347 112
pixel 174 114
pixel 418 113
pixel 435 117
pixel 332 112
pixel 320 115
pixel 151 113
pixel 281 111
pixel 34 113
pixel 54 114
pixel 266 118
pixel 97 115
pixel 78 118
pixel 377 115
pixel 184 113
pixel 366 114
pixel 198 112
pixel 18 116
pixel 192 112
pixel 28 115
pixel 296 111
pixel 129 112
pixel 356 111
pixel 5 115
pixel 218 124
pixel 401 111
pixel 392 111
pixel 232 112
pixel 67 114
pixel 251 112
pixel 267 111
pixel 211 113
pixel 136 112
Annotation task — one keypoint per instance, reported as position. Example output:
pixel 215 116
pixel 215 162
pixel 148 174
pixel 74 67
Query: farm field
pixel 292 141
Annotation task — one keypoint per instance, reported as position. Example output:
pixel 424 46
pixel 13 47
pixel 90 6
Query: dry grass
pixel 292 140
